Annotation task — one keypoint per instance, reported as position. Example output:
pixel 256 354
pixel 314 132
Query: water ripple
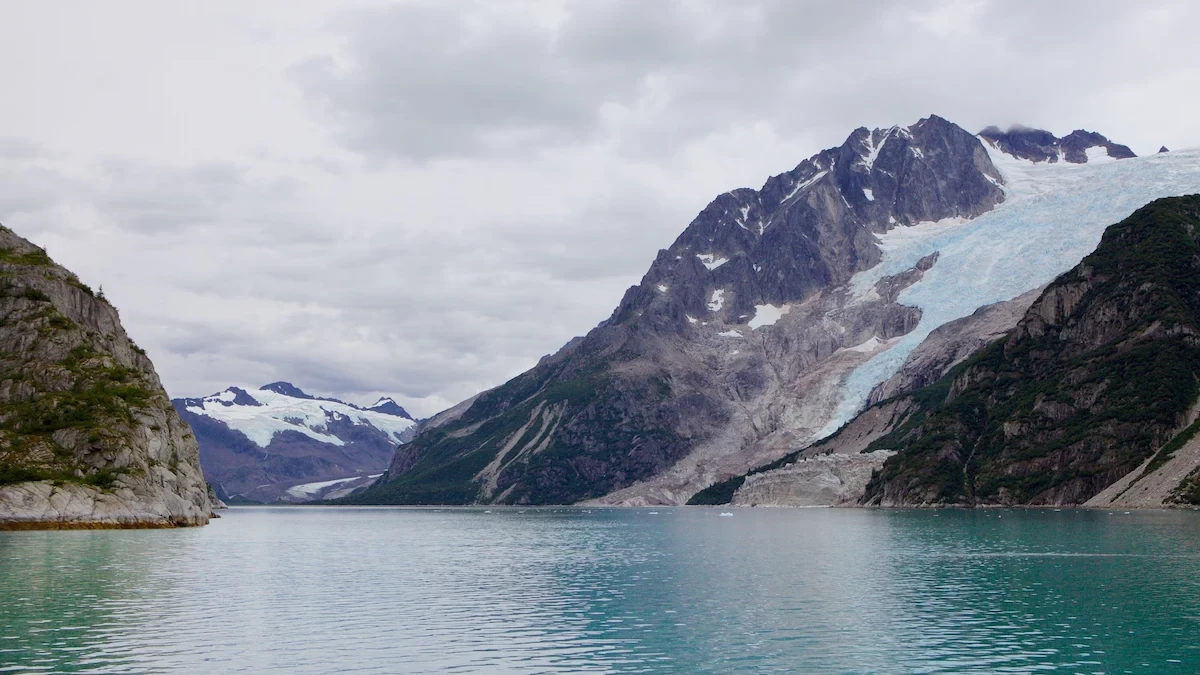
pixel 374 590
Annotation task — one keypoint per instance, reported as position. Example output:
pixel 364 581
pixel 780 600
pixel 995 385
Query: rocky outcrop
pixel 839 479
pixel 88 438
pixel 1098 383
pixel 821 480
pixel 1038 145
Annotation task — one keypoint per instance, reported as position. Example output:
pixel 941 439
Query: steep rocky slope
pixel 278 443
pixel 841 470
pixel 88 437
pixel 1101 373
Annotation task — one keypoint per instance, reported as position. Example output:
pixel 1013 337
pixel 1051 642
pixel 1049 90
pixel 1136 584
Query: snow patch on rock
pixel 717 301
pixel 767 315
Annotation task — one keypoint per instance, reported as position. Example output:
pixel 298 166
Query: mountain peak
pixel 388 406
pixel 240 397
pixel 287 389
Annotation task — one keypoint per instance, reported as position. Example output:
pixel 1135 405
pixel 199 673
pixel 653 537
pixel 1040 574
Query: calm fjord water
pixel 379 590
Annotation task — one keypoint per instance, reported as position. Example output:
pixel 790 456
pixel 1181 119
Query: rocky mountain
pixel 278 443
pixel 768 323
pixel 88 438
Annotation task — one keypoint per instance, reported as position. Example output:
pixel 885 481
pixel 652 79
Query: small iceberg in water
pixel 726 514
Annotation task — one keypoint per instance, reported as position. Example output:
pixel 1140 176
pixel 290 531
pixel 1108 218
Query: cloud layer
pixel 423 198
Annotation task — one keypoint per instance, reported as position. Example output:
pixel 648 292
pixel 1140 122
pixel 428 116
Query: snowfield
pixel 278 413
pixel 1053 215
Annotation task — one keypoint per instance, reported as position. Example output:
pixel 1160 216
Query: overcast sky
pixel 423 198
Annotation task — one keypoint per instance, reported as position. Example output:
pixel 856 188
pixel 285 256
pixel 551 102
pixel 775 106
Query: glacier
pixel 1053 215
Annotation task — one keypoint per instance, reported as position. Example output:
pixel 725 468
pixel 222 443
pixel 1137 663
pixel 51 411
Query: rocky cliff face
pixel 1100 378
pixel 88 437
pixel 278 443
pixel 729 353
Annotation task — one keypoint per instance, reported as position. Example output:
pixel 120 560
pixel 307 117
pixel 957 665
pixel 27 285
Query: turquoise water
pixel 388 590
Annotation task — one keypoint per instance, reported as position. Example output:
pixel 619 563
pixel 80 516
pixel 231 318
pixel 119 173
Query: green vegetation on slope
pixel 82 398
pixel 586 432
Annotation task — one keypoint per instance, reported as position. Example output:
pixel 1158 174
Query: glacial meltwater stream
pixel 390 590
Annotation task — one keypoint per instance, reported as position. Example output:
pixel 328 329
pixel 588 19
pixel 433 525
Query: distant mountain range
pixel 867 271
pixel 278 443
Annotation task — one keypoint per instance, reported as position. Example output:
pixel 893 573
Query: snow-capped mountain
pixel 274 442
pixel 769 321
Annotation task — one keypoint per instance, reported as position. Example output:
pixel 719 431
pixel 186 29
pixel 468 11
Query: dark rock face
pixel 88 438
pixel 1163 149
pixel 1101 372
pixel 655 384
pixel 1038 145
pixel 390 407
pixel 287 389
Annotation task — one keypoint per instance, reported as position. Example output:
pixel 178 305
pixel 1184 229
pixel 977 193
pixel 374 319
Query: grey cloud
pixel 20 148
pixel 425 81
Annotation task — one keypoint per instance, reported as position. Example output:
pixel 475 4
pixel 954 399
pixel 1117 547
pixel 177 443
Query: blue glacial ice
pixel 1053 216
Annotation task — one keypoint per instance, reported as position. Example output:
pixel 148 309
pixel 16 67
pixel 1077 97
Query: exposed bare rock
pixel 1039 145
pixel 832 472
pixel 88 437
pixel 821 480
pixel 951 344
pixel 1167 478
